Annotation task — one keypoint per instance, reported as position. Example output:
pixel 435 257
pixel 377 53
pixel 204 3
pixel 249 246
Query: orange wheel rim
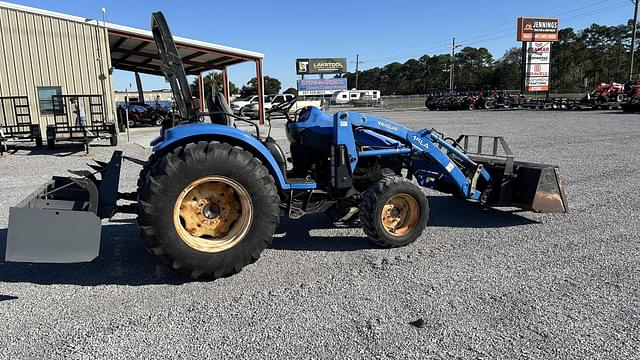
pixel 400 214
pixel 213 214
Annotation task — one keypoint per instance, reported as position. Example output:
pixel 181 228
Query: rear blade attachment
pixel 530 186
pixel 60 221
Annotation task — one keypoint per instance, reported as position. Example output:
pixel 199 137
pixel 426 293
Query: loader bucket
pixel 531 186
pixel 60 221
pixel 538 188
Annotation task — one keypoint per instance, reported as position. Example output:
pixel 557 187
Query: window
pixel 344 96
pixel 354 96
pixel 45 99
pixel 137 109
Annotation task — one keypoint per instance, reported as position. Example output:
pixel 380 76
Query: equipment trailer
pixel 210 196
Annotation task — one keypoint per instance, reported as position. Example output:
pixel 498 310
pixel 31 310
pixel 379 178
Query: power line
pixel 502 27
pixel 494 35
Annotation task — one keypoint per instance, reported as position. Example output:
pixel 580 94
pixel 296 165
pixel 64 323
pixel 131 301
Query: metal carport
pixel 134 50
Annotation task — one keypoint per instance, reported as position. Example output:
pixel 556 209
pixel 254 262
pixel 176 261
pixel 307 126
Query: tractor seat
pixel 220 108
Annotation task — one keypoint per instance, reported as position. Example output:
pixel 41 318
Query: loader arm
pixel 424 143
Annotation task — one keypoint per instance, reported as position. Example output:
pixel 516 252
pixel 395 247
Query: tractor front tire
pixel 207 209
pixel 394 212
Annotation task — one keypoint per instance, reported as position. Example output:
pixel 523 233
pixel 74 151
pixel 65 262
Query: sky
pixel 380 31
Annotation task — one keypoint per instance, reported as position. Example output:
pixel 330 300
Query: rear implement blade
pixel 60 221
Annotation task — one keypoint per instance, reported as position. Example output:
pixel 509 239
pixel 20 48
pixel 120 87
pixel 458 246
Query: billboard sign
pixel 321 66
pixel 321 86
pixel 538 29
pixel 537 83
pixel 537 70
pixel 536 67
pixel 538 52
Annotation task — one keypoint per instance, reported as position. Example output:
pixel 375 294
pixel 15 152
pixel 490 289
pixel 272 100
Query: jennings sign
pixel 321 86
pixel 536 71
pixel 321 66
pixel 538 29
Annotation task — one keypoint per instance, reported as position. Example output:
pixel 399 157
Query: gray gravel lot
pixel 490 284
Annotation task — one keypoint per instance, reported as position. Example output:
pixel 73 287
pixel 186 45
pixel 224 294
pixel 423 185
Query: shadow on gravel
pixel 446 211
pixel 297 235
pixel 7 298
pixel 123 260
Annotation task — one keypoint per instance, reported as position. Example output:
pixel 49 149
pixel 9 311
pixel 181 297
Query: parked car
pixel 143 113
pixel 238 104
pixel 251 110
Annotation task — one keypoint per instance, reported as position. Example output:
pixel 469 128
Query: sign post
pixel 536 35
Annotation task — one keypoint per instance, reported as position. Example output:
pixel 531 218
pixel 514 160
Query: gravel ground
pixel 489 284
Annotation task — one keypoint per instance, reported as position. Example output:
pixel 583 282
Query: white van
pixel 347 96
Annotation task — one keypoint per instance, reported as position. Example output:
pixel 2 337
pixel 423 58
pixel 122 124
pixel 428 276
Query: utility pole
pixel 633 39
pixel 357 62
pixel 452 71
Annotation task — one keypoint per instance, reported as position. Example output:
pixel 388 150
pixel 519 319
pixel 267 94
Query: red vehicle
pixel 632 93
pixel 605 93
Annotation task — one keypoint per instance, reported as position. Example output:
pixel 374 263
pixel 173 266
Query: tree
pixel 473 68
pixel 292 91
pixel 508 71
pixel 598 54
pixel 216 81
pixel 271 86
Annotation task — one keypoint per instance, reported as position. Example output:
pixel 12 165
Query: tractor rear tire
pixel 207 209
pixel 394 212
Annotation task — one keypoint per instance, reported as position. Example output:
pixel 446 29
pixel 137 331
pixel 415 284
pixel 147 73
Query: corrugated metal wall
pixel 38 50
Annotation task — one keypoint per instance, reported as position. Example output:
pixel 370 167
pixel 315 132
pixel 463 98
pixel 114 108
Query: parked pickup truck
pixel 251 110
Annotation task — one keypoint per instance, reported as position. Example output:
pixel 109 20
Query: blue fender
pixel 212 131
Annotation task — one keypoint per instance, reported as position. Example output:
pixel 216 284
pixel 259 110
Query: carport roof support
pixel 135 50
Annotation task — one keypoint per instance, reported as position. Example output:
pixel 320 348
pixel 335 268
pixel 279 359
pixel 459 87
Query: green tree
pixel 596 54
pixel 271 86
pixel 292 91
pixel 507 73
pixel 212 82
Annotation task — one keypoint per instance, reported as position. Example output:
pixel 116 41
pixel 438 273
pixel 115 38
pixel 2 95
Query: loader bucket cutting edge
pixel 60 221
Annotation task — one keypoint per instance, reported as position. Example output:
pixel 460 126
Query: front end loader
pixel 211 195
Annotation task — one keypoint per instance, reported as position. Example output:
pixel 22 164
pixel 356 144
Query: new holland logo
pixel 387 126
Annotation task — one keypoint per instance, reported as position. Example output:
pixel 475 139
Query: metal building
pixel 45 55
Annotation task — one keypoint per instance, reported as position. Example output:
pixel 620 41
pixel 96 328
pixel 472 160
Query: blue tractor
pixel 211 195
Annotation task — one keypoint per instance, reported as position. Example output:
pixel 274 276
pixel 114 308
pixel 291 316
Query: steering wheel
pixel 283 108
pixel 285 105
